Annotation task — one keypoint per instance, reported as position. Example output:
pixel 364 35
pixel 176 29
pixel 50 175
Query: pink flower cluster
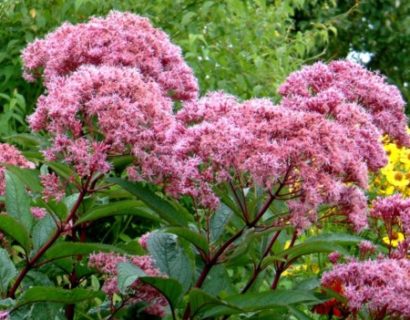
pixel 381 286
pixel 38 213
pixel 393 211
pixel 11 156
pixel 4 315
pixel 347 92
pixel 107 264
pixel 52 187
pixel 110 85
pixel 118 40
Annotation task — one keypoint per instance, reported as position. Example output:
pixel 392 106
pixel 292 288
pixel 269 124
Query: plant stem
pixel 258 268
pixel 31 262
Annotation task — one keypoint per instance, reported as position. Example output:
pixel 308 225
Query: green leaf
pixel 195 238
pixel 311 247
pixel 128 273
pixel 15 230
pixel 339 238
pixel 30 178
pixel 201 302
pixel 59 295
pixel 264 300
pixel 162 207
pixel 62 170
pixel 171 258
pixel 126 207
pixel 7 270
pixel 66 249
pixel 219 220
pixel 42 231
pixel 170 288
pixel 18 201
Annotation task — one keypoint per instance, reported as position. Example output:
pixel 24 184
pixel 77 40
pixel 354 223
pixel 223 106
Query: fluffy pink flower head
pixel 52 187
pixel 334 257
pixel 10 155
pixel 394 211
pixel 38 213
pixel 366 248
pixel 341 86
pixel 101 111
pixel 382 286
pixel 120 39
pixel 107 264
pixel 266 145
pixel 143 240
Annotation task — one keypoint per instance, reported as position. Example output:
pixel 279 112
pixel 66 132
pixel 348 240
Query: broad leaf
pixel 171 258
pixel 195 238
pixel 14 229
pixel 126 207
pixel 201 302
pixel 265 300
pixel 128 273
pixel 29 177
pixel 309 248
pixel 59 295
pixel 18 201
pixel 42 231
pixel 339 238
pixel 162 207
pixel 66 249
pixel 170 288
pixel 219 220
pixel 7 270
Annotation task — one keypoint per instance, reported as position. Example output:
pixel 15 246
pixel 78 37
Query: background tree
pixel 376 30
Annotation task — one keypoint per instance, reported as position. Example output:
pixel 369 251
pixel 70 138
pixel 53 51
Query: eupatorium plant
pixel 234 193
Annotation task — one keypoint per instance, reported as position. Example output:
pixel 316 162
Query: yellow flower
pixel 389 190
pixel 397 178
pixel 405 157
pixel 393 152
pixel 397 237
pixel 387 168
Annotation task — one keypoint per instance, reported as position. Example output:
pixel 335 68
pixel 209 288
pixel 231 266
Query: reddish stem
pixel 31 262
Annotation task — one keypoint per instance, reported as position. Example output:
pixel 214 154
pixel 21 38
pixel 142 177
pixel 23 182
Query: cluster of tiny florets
pixel 111 84
pixel 107 264
pixel 9 155
pixel 120 39
pixel 394 211
pixel 381 286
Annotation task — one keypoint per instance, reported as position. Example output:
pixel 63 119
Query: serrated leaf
pixel 15 230
pixel 42 231
pixel 18 201
pixel 7 270
pixel 219 220
pixel 29 177
pixel 126 207
pixel 196 239
pixel 162 207
pixel 171 258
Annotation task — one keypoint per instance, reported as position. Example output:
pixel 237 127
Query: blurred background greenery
pixel 246 47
